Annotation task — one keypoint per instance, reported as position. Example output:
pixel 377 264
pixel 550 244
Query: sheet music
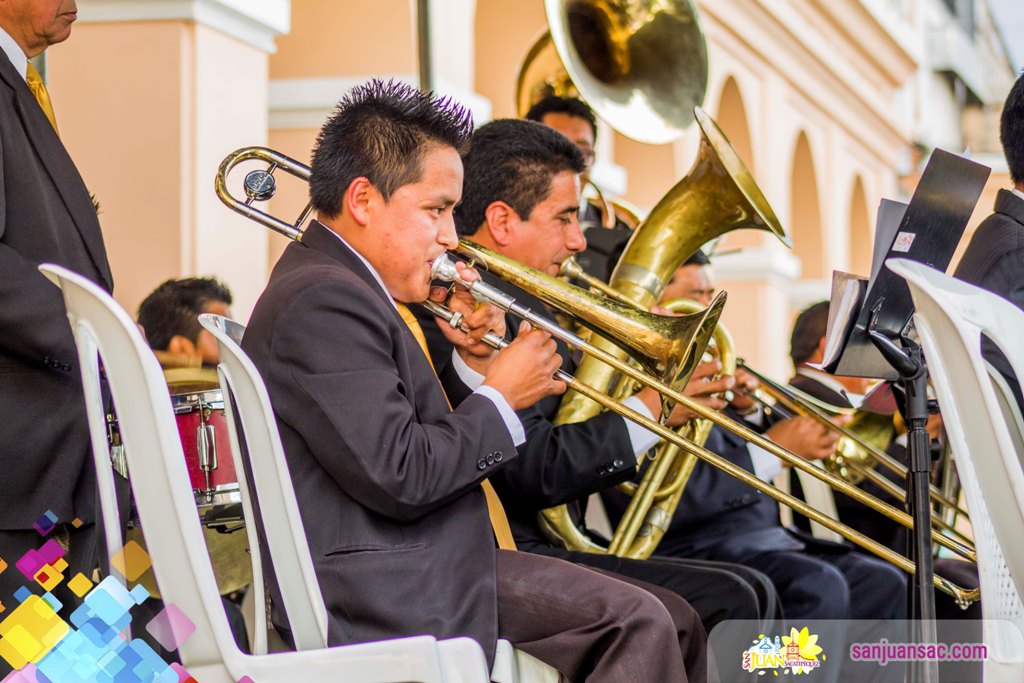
pixel 847 294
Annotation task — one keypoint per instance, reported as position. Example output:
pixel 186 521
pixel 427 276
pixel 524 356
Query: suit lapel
pixel 60 168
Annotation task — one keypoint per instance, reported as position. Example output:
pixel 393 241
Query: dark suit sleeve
pixel 32 316
pixel 339 356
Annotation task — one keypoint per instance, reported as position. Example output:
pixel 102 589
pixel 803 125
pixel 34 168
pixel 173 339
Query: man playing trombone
pixel 387 476
pixel 521 200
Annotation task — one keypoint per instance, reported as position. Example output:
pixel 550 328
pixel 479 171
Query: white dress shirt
pixel 14 53
pixel 471 378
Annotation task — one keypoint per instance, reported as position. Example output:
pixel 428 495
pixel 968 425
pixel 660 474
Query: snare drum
pixel 203 431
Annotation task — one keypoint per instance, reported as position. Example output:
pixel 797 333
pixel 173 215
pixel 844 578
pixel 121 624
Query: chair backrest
pixel 159 478
pixel 273 491
pixel 950 318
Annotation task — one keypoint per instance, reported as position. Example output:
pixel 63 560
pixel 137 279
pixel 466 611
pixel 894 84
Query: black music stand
pixel 877 343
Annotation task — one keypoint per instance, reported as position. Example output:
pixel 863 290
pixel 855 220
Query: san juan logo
pixel 796 653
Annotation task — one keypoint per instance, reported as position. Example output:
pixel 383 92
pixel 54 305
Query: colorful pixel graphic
pixel 43 647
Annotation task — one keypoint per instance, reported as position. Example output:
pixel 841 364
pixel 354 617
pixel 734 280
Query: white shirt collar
pixel 373 271
pixel 14 53
pixel 830 382
pixel 1017 192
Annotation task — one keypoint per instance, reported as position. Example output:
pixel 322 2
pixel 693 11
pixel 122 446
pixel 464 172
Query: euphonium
pixel 717 195
pixel 654 500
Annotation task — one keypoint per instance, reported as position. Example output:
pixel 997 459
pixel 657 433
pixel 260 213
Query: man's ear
pixel 819 351
pixel 358 198
pixel 500 221
pixel 181 345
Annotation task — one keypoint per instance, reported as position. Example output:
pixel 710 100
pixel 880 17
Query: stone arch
pixel 732 119
pixel 805 219
pixel 861 234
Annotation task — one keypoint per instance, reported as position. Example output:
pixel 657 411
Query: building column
pixel 168 89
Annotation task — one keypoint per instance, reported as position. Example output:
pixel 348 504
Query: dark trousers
pixel 81 555
pixel 716 590
pixel 592 627
pixel 844 585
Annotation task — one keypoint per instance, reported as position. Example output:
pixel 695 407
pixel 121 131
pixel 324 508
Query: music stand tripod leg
pixel 909 363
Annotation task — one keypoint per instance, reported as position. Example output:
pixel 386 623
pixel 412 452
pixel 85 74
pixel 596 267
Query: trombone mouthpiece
pixel 444 269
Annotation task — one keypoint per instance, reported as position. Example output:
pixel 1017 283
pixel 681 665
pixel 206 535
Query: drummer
pixel 189 355
pixel 168 316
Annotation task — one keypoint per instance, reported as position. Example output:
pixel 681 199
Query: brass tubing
pixel 811 410
pixel 714 416
pixel 964 596
pixel 960 594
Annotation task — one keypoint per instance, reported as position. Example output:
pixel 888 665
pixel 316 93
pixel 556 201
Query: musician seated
pixel 390 481
pixel 994 259
pixel 169 318
pixel 520 200
pixel 807 347
pixel 574 119
pixel 721 518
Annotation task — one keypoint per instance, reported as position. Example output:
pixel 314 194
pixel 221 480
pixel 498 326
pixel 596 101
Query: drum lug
pixel 206 444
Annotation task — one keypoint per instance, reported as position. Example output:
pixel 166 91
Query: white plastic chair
pixel 283 525
pixel 167 511
pixel 987 437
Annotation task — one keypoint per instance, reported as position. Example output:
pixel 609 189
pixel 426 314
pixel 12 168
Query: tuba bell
pixel 642 65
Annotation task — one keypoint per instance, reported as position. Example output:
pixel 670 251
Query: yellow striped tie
pixel 35 84
pixel 499 520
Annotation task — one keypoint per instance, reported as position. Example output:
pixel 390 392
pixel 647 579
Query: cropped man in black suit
pixel 46 215
pixel 994 259
pixel 387 476
pixel 520 200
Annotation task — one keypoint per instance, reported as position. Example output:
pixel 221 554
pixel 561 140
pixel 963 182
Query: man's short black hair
pixel 697 258
pixel 1011 131
pixel 172 309
pixel 381 131
pixel 809 328
pixel 514 162
pixel 563 105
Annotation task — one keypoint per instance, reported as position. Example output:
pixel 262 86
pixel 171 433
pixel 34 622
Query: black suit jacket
pixel 46 215
pixel 994 260
pixel 387 476
pixel 557 464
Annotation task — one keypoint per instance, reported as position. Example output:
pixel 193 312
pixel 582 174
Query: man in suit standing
pixel 388 477
pixel 994 259
pixel 46 215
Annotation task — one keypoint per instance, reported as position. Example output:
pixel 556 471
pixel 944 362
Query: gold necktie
pixel 499 521
pixel 35 84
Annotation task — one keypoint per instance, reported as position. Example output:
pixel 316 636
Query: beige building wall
pixel 151 96
pixel 818 99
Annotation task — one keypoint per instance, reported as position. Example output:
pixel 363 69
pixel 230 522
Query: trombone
pixel 796 402
pixel 259 186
